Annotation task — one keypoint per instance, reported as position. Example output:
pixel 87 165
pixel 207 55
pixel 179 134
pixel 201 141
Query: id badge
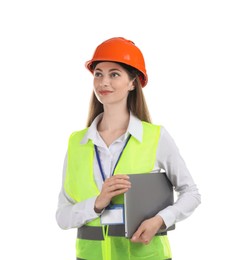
pixel 113 215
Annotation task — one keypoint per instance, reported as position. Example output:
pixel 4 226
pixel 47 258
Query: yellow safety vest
pixel 79 184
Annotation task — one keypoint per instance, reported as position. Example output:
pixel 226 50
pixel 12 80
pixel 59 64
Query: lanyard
pixel 99 161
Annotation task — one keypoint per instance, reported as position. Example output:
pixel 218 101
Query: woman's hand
pixel 147 230
pixel 113 186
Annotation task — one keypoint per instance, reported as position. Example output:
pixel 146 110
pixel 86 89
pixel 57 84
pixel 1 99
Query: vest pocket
pixel 155 250
pixel 88 249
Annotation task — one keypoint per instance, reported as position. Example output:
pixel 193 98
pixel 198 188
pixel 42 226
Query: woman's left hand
pixel 147 230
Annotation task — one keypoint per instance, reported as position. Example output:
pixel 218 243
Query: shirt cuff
pixel 91 203
pixel 168 217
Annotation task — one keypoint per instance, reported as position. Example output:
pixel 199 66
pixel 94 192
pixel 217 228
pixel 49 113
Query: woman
pixel 119 139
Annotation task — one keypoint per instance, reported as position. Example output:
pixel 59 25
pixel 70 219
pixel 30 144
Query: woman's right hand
pixel 113 186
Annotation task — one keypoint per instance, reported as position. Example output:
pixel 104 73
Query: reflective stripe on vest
pixel 96 233
pixel 79 184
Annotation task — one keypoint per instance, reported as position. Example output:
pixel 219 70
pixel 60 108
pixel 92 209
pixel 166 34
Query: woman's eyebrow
pixel 113 69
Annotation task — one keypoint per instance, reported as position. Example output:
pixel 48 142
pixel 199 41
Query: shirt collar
pixel 135 128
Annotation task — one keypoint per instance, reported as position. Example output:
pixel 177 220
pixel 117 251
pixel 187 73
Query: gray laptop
pixel 149 193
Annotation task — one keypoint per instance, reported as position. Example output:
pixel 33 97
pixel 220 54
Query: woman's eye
pixel 97 74
pixel 114 74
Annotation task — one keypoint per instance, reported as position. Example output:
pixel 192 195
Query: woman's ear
pixel 132 86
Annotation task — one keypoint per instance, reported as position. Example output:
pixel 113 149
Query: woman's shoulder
pixel 152 125
pixel 78 133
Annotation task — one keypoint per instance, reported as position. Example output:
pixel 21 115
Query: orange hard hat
pixel 119 49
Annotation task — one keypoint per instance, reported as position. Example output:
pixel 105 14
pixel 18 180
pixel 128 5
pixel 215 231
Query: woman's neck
pixel 113 125
pixel 114 120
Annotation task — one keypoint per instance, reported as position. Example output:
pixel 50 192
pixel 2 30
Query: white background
pixel 44 96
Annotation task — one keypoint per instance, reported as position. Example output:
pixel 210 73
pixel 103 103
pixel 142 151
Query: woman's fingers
pixel 147 230
pixel 117 182
pixel 113 186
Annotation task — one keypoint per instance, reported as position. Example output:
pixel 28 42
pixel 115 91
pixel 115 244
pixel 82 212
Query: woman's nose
pixel 105 81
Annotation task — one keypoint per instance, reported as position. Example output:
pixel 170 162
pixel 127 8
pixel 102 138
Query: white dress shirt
pixel 71 214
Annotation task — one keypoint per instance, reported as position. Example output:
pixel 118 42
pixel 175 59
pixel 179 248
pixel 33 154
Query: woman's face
pixel 111 83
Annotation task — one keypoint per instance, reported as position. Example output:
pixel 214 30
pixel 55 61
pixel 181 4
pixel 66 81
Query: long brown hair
pixel 136 102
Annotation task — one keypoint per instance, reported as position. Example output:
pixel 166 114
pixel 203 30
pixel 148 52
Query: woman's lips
pixel 105 92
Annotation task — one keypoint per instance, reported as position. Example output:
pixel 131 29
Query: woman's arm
pixel 72 214
pixel 189 198
pixel 169 159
